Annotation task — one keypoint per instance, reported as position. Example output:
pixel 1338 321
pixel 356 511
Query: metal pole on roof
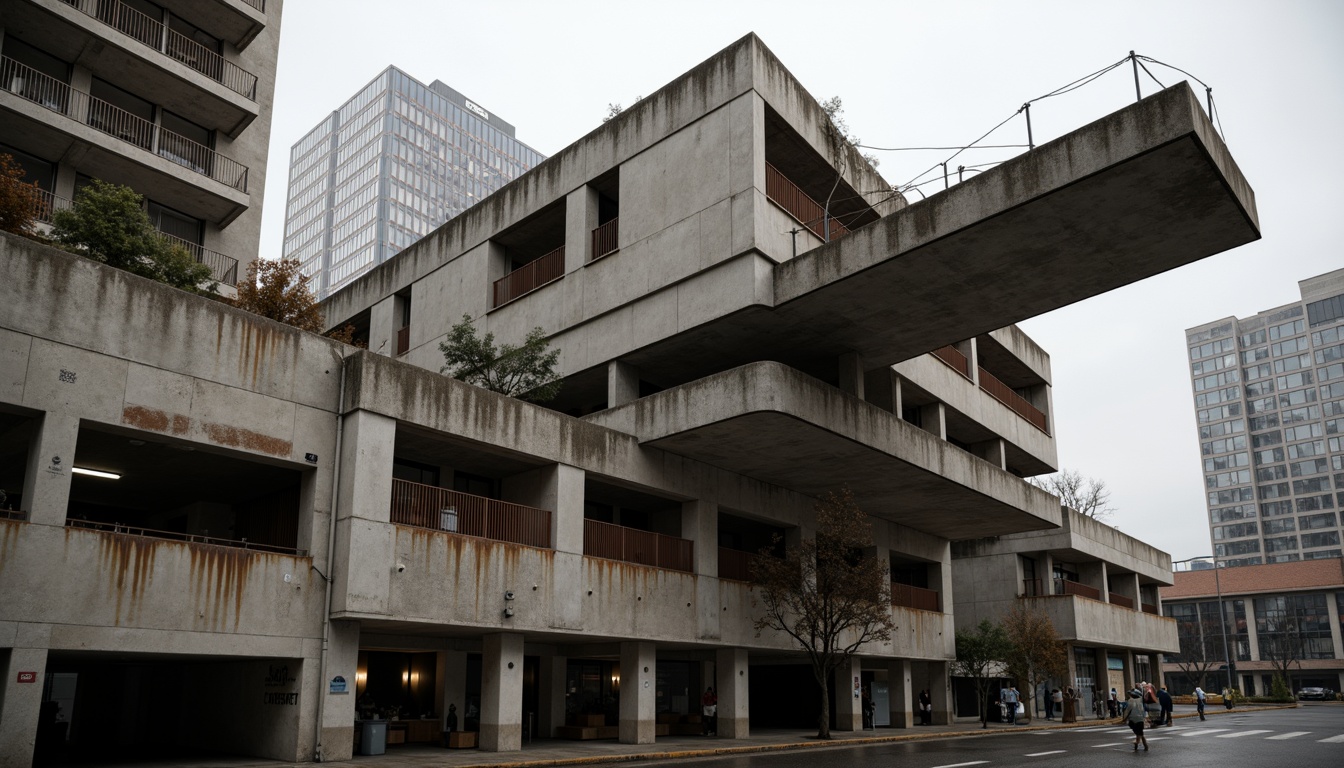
pixel 1138 96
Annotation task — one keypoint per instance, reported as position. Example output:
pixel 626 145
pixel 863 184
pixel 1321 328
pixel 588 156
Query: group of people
pixel 1147 706
pixel 1065 702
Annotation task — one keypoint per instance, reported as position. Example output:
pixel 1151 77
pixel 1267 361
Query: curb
pixel 819 744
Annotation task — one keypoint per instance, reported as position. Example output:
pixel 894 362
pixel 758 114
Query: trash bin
pixel 373 737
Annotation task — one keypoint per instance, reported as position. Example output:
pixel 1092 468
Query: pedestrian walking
pixel 1113 703
pixel 1164 700
pixel 1056 704
pixel 1227 698
pixel 1009 699
pixel 925 707
pixel 1200 700
pixel 1135 717
pixel 709 706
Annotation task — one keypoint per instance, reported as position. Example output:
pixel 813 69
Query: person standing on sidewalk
pixel 925 707
pixel 1135 716
pixel 709 706
pixel 1056 700
pixel 1200 700
pixel 1010 698
pixel 1164 699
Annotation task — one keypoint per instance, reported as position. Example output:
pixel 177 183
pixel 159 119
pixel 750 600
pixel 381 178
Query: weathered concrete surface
pixel 771 422
pixel 1088 621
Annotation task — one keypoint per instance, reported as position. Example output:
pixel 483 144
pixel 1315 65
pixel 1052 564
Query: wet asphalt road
pixel 1309 737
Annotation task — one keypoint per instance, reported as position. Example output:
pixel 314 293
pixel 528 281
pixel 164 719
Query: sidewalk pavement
pixel 557 752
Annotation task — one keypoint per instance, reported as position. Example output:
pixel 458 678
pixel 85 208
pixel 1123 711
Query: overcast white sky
pixel 929 74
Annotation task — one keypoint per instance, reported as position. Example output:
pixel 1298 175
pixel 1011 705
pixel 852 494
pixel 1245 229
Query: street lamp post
pixel 1222 615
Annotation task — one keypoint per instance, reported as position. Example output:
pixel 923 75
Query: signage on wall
pixel 474 108
pixel 338 685
pixel 27 677
pixel 311 458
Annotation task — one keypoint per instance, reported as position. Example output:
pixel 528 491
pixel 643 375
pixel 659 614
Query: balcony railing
pixel 954 359
pixel 530 277
pixel 1150 608
pixel 135 530
pixel 152 33
pixel 403 340
pixel 222 268
pixel 604 239
pixel 631 545
pixel 1121 600
pixel 1032 588
pixel 440 509
pixel 117 122
pixel 799 205
pixel 1005 394
pixel 918 598
pixel 1066 587
pixel 260 5
pixel 735 564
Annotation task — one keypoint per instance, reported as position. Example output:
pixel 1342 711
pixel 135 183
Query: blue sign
pixel 338 685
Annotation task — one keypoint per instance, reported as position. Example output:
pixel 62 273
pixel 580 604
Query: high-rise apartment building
pixel 392 164
pixel 170 98
pixel 1269 401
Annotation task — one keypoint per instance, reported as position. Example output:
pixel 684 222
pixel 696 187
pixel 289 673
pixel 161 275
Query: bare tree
pixel 826 593
pixel 1087 495
pixel 1282 643
pixel 1036 654
pixel 1201 649
pixel 980 656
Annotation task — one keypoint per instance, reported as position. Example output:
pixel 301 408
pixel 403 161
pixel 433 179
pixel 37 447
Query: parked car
pixel 1321 694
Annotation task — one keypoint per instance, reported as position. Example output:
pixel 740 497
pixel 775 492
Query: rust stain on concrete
pixel 219 577
pixel 154 420
pixel 122 558
pixel 237 437
pixel 9 541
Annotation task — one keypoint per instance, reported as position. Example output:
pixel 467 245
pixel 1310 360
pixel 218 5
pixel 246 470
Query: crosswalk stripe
pixel 1239 734
pixel 1291 735
pixel 1115 744
pixel 1332 740
pixel 1206 731
pixel 960 765
pixel 1043 754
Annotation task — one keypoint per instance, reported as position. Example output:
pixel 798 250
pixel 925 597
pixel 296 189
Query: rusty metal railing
pixel 530 277
pixel 795 202
pixel 1066 587
pixel 918 598
pixel 631 545
pixel 439 509
pixel 1120 600
pixel 1005 394
pixel 118 123
pixel 1150 608
pixel 604 239
pixel 735 564
pixel 403 340
pixel 190 538
pixel 1032 588
pixel 954 359
pixel 152 33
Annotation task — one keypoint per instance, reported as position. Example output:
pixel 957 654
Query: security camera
pixel 401 567
pixel 508 594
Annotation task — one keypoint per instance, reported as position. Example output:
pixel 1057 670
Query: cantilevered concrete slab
pixel 771 422
pixel 1141 191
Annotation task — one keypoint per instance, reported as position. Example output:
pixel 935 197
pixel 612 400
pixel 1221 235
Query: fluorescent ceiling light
pixel 95 473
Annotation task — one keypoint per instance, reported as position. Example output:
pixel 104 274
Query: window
pixel 1229 461
pixel 1227 514
pixel 1281 544
pixel 1293 626
pixel 1240 530
pixel 1271 508
pixel 1254 355
pixel 1308 467
pixel 1305 450
pixel 1275 491
pixel 1290 346
pixel 1313 485
pixel 1237 548
pixel 1267 439
pixel 1251 339
pixel 1286 330
pixel 1282 525
pixel 1314 503
pixel 1310 522
pixel 1270 456
pixel 1325 310
pixel 1271 473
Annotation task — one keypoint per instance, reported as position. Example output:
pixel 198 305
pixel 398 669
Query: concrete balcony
pixel 44 117
pixel 1093 622
pixel 139 54
pixel 771 422
pixel 169 596
pixel 237 21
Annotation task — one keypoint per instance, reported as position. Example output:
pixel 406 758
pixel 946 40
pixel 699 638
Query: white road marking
pixel 1239 734
pixel 959 765
pixel 1332 740
pixel 1206 731
pixel 1093 729
pixel 1292 735
pixel 1116 744
pixel 1043 754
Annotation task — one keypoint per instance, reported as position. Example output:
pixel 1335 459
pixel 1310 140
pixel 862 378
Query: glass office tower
pixel 1269 402
pixel 387 168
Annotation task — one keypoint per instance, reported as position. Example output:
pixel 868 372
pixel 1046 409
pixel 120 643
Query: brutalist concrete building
pixel 290 534
pixel 171 98
pixel 388 167
pixel 1269 402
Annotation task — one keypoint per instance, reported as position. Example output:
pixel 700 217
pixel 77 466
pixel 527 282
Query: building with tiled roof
pixel 1277 616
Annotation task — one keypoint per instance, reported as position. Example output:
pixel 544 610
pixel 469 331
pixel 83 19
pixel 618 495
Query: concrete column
pixel 338 710
pixel 383 324
pixel 46 478
pixel 580 221
pixel 994 451
pixel 551 686
pixel 1094 575
pixel 1336 630
pixel 940 690
pixel 502 693
pixel 933 419
pixel 700 524
pixel 848 704
pixel 882 387
pixel 901 689
pixel 851 374
pixel 971 350
pixel 20 704
pixel 734 674
pixel 450 682
pixel 622 383
pixel 639 671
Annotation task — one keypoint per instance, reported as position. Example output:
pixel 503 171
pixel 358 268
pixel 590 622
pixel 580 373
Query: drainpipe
pixel 330 574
